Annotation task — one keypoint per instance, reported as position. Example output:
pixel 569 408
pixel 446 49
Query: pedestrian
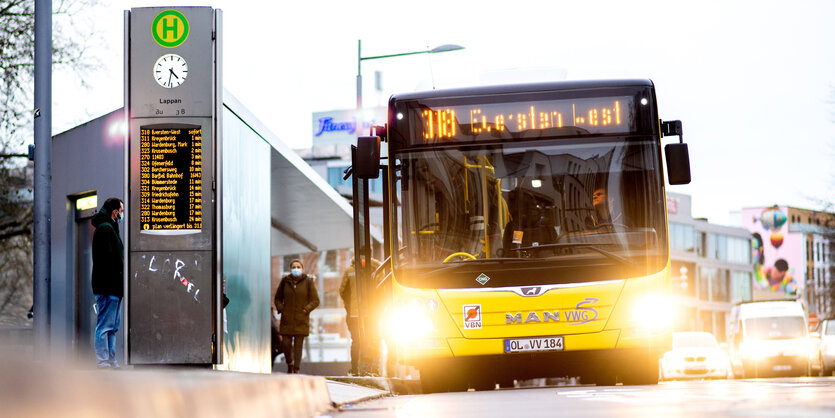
pixel 295 298
pixel 107 280
pixel 275 339
pixel 365 353
pixel 349 299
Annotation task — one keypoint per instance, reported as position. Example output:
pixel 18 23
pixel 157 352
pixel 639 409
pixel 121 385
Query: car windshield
pixel 598 199
pixel 775 328
pixel 694 340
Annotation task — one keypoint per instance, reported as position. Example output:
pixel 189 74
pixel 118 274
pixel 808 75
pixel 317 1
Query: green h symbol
pixel 166 28
pixel 170 28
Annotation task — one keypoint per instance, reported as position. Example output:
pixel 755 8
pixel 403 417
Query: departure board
pixel 433 123
pixel 170 177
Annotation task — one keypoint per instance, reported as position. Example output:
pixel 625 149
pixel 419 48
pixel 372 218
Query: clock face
pixel 170 70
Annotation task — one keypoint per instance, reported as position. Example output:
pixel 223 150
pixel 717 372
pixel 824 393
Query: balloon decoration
pixel 773 218
pixel 776 239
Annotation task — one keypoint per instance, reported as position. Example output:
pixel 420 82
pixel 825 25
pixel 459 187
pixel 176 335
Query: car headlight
pixel 672 361
pixel 754 350
pixel 718 362
pixel 799 348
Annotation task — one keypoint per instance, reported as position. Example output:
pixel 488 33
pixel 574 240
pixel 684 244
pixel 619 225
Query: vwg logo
pixel 170 28
pixel 583 314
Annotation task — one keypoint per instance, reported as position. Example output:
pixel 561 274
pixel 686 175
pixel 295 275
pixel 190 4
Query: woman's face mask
pixel 296 272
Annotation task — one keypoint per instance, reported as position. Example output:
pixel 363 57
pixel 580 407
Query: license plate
pixel 526 345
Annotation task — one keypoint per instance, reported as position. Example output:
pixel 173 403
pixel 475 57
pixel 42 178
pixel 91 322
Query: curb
pixel 36 390
pixel 367 388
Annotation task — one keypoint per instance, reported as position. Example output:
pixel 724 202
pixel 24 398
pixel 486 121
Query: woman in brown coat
pixel 295 298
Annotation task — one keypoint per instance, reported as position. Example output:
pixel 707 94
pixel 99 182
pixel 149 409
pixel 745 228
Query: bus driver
pixel 603 205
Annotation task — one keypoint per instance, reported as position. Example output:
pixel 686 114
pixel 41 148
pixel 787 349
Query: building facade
pixel 711 269
pixel 793 255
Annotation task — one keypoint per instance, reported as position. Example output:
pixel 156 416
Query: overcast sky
pixel 752 81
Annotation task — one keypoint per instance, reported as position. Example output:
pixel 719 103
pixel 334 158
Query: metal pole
pixel 42 187
pixel 359 75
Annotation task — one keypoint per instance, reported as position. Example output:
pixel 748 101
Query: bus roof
pixel 524 88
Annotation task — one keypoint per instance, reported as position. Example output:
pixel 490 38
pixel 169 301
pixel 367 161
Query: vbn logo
pixel 472 317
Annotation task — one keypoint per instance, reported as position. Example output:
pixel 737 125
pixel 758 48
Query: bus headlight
pixel 653 313
pixel 408 324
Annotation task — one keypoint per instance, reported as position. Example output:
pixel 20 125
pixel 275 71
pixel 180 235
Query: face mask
pixel 119 218
pixel 296 272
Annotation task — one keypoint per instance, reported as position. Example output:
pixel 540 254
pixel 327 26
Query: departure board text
pixel 436 122
pixel 170 177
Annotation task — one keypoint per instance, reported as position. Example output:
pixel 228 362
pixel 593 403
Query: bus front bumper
pixel 607 340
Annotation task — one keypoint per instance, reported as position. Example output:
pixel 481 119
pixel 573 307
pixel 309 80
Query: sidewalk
pixel 37 390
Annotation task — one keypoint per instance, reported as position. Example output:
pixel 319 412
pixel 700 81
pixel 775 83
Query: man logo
pixel 582 314
pixel 531 291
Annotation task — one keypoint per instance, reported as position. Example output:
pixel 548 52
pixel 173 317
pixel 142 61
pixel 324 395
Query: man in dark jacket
pixel 108 282
pixel 349 299
pixel 295 298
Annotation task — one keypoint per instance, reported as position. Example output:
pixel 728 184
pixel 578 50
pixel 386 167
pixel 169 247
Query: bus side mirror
pixel 678 163
pixel 367 165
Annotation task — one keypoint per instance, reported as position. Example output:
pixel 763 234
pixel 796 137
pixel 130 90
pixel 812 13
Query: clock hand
pixel 172 73
pixel 169 78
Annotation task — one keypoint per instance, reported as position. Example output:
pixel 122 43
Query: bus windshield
pixel 595 201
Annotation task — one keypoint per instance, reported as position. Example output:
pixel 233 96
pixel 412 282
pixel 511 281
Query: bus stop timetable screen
pixel 170 182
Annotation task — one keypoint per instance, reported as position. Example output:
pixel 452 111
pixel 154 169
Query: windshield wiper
pixel 590 246
pixel 455 264
pixel 483 260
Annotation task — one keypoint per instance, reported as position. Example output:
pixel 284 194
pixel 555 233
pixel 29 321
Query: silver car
pixel 827 347
pixel 695 355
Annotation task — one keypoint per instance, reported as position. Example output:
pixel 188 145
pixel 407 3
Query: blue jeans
pixel 107 323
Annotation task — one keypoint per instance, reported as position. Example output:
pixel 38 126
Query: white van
pixel 769 338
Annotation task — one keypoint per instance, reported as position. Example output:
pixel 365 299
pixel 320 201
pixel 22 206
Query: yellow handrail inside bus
pixel 459 254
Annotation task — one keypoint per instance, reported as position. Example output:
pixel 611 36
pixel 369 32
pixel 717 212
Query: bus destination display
pixel 504 120
pixel 170 182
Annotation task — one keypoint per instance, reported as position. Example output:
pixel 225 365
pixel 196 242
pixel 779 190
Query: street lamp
pixel 360 59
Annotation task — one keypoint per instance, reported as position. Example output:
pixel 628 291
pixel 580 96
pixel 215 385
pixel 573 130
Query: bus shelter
pixel 273 204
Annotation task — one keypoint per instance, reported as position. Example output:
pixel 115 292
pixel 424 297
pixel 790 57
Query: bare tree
pixel 70 42
pixel 827 204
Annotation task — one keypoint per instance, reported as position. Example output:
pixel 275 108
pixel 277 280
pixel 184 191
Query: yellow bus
pixel 529 229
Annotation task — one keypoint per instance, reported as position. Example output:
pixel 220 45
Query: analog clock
pixel 170 70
